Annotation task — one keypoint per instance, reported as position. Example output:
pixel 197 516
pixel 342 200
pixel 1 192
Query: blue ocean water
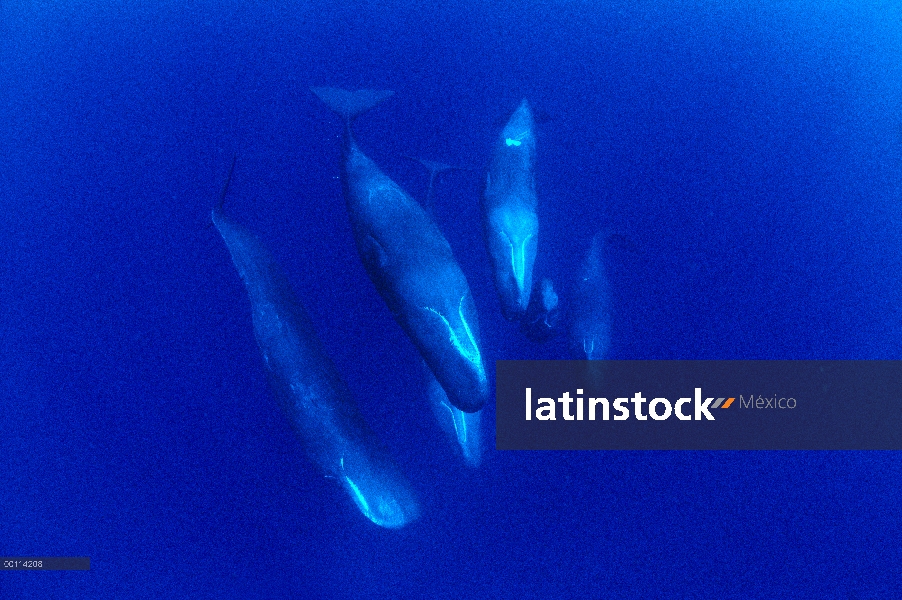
pixel 747 156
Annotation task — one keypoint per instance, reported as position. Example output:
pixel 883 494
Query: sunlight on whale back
pixel 518 228
pixel 462 338
pixel 517 140
pixel 518 259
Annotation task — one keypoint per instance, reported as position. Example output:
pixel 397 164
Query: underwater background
pixel 745 158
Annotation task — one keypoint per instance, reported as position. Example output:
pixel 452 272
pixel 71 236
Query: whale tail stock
pixel 350 104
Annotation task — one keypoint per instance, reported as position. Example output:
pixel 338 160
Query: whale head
pixel 519 127
pixel 380 493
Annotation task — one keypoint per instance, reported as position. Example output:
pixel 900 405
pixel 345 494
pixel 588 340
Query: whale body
pixel 509 212
pixel 411 263
pixel 462 428
pixel 310 391
pixel 590 330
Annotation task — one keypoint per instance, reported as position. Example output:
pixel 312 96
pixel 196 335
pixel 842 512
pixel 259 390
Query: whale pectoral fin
pixel 373 253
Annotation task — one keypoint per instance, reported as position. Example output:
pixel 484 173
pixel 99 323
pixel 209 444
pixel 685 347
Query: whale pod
pixel 310 391
pixel 509 212
pixel 411 263
pixel 590 330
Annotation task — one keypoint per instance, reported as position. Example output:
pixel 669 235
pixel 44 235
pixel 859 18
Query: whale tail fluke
pixel 349 104
pixel 434 169
pixel 432 166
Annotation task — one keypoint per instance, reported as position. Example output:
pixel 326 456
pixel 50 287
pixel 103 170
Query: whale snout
pixel 380 494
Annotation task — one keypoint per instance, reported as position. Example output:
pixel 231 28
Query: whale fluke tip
pixel 217 209
pixel 431 165
pixel 225 187
pixel 435 167
pixel 348 103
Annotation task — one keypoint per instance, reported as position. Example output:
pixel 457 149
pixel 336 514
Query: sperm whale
pixel 309 389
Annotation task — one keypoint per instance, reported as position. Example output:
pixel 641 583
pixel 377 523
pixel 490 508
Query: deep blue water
pixel 748 156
